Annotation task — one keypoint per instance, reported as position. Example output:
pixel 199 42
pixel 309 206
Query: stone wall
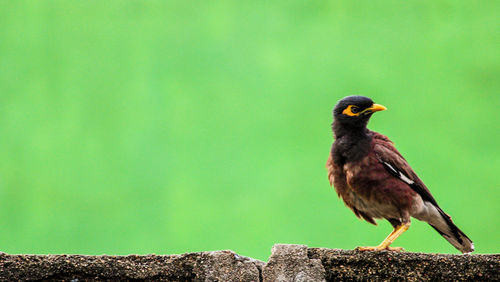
pixel 287 263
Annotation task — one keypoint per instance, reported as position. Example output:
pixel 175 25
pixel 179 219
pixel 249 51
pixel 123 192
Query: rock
pixel 203 266
pixel 341 265
pixel 291 263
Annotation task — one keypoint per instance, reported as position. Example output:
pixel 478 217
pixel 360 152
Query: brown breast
pixel 369 190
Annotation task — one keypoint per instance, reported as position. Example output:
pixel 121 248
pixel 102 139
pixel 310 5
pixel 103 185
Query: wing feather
pixel 397 166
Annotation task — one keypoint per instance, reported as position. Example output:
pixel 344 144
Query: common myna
pixel 375 181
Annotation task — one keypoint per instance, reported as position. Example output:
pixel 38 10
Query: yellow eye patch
pixel 349 109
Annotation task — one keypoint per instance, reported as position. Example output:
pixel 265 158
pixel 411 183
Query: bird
pixel 376 182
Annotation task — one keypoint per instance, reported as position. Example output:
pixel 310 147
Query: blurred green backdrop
pixel 178 126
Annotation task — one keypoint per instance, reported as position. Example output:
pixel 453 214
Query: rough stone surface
pixel 287 263
pixel 291 263
pixel 204 266
pixel 342 265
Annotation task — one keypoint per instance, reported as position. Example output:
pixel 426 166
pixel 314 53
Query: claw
pixel 378 248
pixel 364 249
pixel 395 249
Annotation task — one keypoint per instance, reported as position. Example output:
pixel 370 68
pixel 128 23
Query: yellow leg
pixel 388 241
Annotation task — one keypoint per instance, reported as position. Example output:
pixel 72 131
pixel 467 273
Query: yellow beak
pixel 376 108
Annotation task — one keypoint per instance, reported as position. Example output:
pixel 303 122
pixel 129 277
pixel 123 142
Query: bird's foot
pixel 379 248
pixel 395 249
pixel 368 249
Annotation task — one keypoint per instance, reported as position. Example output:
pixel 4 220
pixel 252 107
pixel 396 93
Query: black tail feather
pixel 454 235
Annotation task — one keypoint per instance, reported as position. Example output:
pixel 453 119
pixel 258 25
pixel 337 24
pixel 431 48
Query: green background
pixel 179 126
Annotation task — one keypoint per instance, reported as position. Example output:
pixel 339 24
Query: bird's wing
pixel 397 166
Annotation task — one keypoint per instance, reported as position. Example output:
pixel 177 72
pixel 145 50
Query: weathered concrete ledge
pixel 287 263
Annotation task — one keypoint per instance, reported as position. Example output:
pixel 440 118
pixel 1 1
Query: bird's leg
pixel 388 241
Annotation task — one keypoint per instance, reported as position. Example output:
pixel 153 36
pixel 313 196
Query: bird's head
pixel 354 112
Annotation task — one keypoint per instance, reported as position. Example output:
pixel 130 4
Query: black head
pixel 353 112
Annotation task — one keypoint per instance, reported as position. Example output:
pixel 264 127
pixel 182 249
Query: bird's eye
pixel 354 109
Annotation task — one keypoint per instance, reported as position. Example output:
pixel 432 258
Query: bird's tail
pixel 445 226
